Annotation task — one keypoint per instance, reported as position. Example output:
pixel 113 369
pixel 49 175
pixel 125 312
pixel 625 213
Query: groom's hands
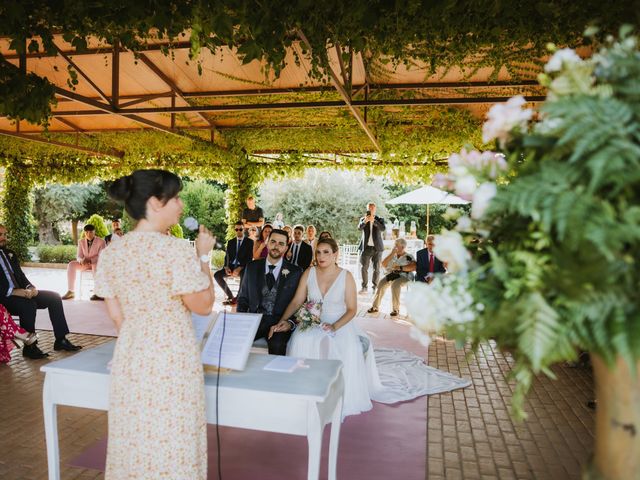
pixel 281 326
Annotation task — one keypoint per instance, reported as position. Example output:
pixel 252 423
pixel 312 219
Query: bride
pixel 404 375
pixel 338 337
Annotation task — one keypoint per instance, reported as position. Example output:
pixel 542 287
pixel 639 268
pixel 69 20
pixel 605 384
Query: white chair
pixel 86 281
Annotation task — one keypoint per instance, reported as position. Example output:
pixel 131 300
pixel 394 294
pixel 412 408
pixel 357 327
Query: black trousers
pixel 278 343
pixel 369 254
pixel 220 276
pixel 25 309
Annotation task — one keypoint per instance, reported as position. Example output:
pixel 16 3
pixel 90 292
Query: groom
pixel 267 287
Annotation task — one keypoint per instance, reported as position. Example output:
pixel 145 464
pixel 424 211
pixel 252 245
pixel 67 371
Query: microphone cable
pixel 224 324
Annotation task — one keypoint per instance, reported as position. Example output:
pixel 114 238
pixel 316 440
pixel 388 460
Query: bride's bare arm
pixel 351 299
pixel 296 302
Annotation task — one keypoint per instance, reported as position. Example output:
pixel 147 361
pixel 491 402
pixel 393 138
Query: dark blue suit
pixel 422 265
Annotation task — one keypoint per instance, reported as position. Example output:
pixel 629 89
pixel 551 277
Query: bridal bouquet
pixel 308 316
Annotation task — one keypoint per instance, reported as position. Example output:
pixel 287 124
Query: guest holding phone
pixel 371 245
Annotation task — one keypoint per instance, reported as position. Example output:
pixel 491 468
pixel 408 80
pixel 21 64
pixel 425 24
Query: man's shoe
pixel 33 352
pixel 394 313
pixel 363 290
pixel 68 295
pixel 64 344
pixel 95 297
pixel 372 310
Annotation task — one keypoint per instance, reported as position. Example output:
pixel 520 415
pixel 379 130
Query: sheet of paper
pixel 201 324
pixel 239 332
pixel 284 364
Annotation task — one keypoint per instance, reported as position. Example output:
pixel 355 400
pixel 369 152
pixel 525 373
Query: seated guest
pixel 267 287
pixel 252 233
pixel 311 236
pixel 238 254
pixel 115 225
pixel 399 265
pixel 427 264
pixel 22 299
pixel 260 246
pixel 278 222
pixel 324 234
pixel 89 249
pixel 300 253
pixel 9 332
pixel 289 230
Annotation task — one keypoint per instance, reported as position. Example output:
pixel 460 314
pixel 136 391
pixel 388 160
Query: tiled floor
pixel 470 433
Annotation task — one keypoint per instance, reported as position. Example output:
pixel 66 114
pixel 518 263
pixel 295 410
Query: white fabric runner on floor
pixel 405 376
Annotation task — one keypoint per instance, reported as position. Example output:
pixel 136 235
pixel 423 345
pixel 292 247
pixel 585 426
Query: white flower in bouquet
pixel 476 163
pixel 503 118
pixel 451 214
pixel 432 306
pixel 465 186
pixel 464 224
pixel 450 249
pixel 562 58
pixel 482 198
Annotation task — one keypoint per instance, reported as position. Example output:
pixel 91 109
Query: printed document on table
pixel 239 331
pixel 202 324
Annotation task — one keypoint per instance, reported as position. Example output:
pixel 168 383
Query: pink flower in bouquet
pixel 308 316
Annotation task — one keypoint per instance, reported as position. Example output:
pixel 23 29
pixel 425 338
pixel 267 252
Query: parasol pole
pixel 428 205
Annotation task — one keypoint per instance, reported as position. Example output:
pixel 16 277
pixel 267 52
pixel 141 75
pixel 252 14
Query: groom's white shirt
pixel 276 271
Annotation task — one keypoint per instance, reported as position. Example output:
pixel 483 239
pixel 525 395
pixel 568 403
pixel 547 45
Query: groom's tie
pixel 271 280
pixel 431 263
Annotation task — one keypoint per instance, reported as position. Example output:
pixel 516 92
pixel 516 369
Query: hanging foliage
pixel 440 34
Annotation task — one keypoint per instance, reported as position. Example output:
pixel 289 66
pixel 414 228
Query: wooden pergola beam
pixel 134 99
pixel 107 109
pixel 111 152
pixel 103 110
pixel 346 97
pixel 81 72
pixel 171 84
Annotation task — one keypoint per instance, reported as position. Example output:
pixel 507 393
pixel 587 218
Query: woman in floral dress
pixel 151 282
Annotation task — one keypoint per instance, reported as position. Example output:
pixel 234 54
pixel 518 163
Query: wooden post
pixel 617 439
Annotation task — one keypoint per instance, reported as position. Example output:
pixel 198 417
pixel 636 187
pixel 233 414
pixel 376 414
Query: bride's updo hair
pixel 328 241
pixel 135 189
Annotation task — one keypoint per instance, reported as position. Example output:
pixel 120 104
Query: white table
pixel 253 399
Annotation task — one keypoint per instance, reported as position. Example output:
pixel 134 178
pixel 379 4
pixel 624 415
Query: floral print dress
pixel 157 424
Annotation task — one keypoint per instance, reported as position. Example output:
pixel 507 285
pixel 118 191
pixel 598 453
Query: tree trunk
pixel 45 234
pixel 74 231
pixel 617 442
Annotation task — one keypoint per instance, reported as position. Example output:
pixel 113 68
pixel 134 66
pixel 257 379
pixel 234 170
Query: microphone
pixel 191 224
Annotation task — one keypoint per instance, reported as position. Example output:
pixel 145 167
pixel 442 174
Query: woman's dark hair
pixel 328 241
pixel 325 234
pixel 135 189
pixel 266 225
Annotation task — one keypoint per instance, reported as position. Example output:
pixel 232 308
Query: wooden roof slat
pixel 347 99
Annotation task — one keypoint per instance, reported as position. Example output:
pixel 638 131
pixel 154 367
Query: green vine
pixel 16 208
pixel 437 34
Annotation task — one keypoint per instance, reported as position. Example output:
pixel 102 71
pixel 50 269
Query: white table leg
pixel 314 439
pixel 51 430
pixel 336 423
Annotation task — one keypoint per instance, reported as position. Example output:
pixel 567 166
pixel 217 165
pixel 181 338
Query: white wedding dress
pixel 384 375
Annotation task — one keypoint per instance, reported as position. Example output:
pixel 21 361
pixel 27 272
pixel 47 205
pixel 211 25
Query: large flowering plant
pixel 546 263
pixel 308 315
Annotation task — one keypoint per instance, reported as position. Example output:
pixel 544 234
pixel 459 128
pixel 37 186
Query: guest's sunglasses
pixel 238 229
